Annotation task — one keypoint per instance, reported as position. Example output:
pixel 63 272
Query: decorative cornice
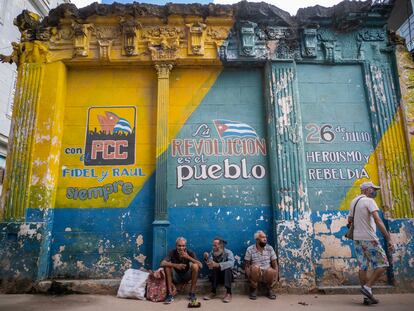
pixel 195 33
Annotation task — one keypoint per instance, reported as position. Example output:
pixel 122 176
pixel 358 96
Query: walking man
pixel 261 266
pixel 181 265
pixel 220 261
pixel 367 247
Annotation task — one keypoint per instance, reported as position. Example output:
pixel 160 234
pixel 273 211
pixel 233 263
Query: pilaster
pixel 292 227
pixel 161 223
pixel 15 198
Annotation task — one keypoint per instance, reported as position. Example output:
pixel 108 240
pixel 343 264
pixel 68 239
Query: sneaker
pixel 253 294
pixel 227 298
pixel 192 297
pixel 169 299
pixel 271 295
pixel 209 296
pixel 368 301
pixel 369 295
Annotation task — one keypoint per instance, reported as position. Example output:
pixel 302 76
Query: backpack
pixel 157 286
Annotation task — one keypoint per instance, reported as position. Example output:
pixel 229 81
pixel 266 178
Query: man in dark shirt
pixel 181 265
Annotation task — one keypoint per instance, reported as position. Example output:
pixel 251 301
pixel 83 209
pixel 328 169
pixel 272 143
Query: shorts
pixel 181 277
pixel 370 252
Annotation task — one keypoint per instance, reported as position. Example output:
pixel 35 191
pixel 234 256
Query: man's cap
pixel 220 239
pixel 369 184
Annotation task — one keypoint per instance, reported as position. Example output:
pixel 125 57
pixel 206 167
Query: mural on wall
pixel 234 139
pixel 219 157
pixel 215 155
pixel 105 160
pixel 110 140
pixel 339 146
pixel 113 142
pixel 326 134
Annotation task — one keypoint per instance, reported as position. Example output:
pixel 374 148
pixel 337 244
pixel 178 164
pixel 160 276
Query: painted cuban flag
pixel 122 126
pixel 227 128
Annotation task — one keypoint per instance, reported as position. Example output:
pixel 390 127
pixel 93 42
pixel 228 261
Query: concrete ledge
pixel 96 287
pixel 110 287
pixel 355 290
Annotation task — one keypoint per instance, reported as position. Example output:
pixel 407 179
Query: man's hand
pixel 211 265
pixel 185 255
pixel 180 266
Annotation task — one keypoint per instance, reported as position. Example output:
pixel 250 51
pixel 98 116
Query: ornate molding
pixel 145 33
pixel 278 33
pixel 328 41
pixel 309 42
pixel 163 42
pixel 196 33
pixel 129 29
pixel 82 36
pixel 106 32
pixel 371 35
pixel 247 36
pixel 35 52
pixel 163 70
pixel 105 49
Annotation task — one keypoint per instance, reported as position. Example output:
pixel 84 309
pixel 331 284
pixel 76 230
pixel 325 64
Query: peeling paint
pixel 57 261
pixel 140 258
pixel 140 240
pixel 333 247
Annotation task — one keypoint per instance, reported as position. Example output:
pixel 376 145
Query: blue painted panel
pixel 236 96
pixel 236 224
pixel 337 131
pixel 103 242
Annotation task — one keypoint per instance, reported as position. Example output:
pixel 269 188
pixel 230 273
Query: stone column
pixel 161 223
pixel 292 225
pixel 15 196
pixel 33 159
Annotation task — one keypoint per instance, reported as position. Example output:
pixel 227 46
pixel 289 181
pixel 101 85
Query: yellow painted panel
pixel 187 89
pixel 391 150
pixel 107 92
pixel 107 165
pixel 372 169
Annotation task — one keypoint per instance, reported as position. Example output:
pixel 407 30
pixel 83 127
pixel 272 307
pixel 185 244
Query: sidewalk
pixel 393 302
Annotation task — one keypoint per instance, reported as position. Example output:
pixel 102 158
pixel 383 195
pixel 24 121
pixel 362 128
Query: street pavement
pixel 389 302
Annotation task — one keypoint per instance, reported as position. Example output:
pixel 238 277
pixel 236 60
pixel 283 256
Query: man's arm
pixel 229 263
pixel 381 226
pixel 273 263
pixel 167 264
pixel 247 259
pixel 247 264
pixel 193 260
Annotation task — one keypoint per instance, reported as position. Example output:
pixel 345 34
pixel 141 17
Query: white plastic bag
pixel 133 284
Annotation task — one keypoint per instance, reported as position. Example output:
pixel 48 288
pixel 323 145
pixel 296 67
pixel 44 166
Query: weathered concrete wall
pixel 20 246
pixel 203 120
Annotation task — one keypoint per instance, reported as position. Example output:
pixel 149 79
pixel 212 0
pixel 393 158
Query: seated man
pixel 181 265
pixel 261 266
pixel 220 261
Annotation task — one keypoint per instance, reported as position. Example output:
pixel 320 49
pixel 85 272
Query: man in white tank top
pixel 367 246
